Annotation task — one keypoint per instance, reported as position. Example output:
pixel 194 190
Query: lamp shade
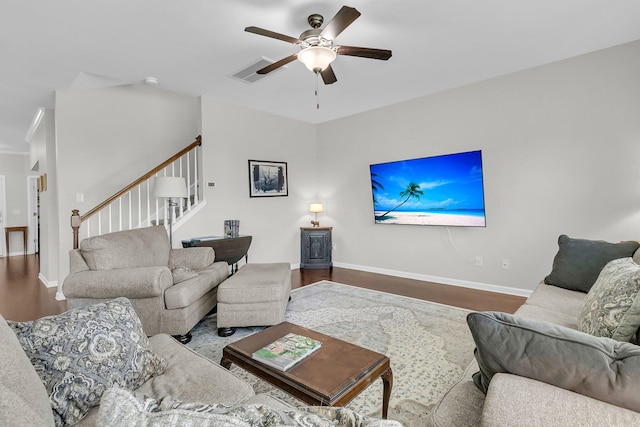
pixel 170 186
pixel 315 207
pixel 316 58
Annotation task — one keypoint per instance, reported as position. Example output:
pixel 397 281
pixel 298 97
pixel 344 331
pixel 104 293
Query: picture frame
pixel 268 179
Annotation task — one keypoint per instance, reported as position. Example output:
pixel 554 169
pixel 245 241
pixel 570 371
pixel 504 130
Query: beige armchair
pixel 171 289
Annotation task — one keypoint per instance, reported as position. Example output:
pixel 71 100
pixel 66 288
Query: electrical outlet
pixel 479 261
pixel 505 263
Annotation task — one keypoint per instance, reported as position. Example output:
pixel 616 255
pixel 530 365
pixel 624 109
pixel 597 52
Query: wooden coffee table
pixel 332 376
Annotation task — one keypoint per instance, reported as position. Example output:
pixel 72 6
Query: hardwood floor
pixel 23 297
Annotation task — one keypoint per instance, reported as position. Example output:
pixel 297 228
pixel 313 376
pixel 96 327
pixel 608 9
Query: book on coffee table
pixel 285 352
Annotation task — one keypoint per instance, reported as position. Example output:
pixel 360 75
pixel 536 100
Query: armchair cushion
pixel 186 292
pixel 79 354
pixel 142 247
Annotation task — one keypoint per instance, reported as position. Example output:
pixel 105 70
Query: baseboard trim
pixel 444 280
pixel 47 283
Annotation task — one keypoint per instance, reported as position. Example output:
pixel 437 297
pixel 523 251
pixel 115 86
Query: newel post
pixel 75 225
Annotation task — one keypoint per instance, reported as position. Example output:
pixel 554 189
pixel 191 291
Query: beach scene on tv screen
pixel 440 190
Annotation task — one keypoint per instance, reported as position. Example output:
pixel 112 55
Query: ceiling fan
pixel 318 48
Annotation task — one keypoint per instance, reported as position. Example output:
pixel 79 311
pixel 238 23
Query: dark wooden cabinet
pixel 315 247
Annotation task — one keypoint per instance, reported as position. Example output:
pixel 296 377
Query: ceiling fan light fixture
pixel 316 58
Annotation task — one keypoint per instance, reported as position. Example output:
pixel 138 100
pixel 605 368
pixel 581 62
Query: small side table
pixel 20 228
pixel 315 248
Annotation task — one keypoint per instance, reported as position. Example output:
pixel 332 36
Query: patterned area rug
pixel 429 344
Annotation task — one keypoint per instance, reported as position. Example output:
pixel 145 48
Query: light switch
pixel 79 197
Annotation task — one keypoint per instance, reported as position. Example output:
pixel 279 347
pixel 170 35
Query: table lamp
pixel 315 208
pixel 171 188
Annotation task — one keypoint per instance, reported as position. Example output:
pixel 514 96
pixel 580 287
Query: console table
pixel 229 249
pixel 315 247
pixel 22 229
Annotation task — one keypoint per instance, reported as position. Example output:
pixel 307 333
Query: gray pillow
pixel 600 368
pixel 81 353
pixel 578 262
pixel 612 306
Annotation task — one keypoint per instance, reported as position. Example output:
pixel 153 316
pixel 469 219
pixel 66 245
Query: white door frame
pixel 3 216
pixel 32 213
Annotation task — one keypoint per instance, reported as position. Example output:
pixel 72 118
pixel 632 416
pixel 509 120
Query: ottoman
pixel 256 295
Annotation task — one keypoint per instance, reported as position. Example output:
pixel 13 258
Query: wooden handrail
pixel 143 178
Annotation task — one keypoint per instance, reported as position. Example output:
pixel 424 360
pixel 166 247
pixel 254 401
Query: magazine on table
pixel 286 351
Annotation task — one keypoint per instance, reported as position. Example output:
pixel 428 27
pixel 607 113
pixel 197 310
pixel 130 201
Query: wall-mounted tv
pixel 440 190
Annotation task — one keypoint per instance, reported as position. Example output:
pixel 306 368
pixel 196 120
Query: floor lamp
pixel 171 188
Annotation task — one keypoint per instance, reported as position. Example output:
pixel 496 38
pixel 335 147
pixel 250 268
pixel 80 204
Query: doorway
pixel 33 213
pixel 3 215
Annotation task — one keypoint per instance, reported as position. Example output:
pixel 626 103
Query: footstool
pixel 256 295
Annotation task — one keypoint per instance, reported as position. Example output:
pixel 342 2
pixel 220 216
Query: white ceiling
pixel 192 46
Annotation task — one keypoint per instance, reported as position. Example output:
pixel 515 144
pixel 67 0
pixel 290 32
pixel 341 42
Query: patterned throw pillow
pixel 612 306
pixel 81 353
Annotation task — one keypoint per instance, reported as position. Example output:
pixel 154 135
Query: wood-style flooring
pixel 23 297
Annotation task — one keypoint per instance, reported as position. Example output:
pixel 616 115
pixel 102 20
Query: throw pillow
pixel 597 367
pixel 81 353
pixel 578 262
pixel 180 274
pixel 612 306
pixel 121 407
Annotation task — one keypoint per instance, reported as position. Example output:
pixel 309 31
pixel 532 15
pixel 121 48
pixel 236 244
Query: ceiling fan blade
pixel 364 52
pixel 328 76
pixel 338 23
pixel 272 34
pixel 277 64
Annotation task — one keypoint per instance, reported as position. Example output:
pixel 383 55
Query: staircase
pixel 135 207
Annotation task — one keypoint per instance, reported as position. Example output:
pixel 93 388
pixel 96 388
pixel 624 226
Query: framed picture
pixel 267 179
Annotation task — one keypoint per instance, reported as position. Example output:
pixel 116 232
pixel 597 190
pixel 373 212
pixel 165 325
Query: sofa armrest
pixel 140 282
pixel 518 401
pixel 193 258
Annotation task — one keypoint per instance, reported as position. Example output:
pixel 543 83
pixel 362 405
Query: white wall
pixel 106 138
pixel 560 146
pixel 231 137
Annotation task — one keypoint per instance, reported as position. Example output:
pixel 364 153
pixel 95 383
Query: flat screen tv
pixel 440 190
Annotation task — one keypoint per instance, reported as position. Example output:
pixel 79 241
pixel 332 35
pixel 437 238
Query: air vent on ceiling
pixel 248 74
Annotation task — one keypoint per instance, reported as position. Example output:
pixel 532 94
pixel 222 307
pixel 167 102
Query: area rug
pixel 429 344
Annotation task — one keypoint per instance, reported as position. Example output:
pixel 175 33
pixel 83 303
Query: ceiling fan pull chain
pixel 317 98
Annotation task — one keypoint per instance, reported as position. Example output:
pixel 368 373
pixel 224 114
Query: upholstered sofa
pixel 539 368
pixel 94 366
pixel 171 289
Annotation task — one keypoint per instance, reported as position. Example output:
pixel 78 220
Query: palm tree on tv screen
pixel 412 190
pixel 375 186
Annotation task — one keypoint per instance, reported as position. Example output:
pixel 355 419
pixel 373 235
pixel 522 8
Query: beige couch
pixel 514 400
pixel 171 289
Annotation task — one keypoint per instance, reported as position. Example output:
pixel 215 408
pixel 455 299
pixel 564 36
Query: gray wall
pixel 560 147
pixel 106 138
pixel 560 144
pixel 231 137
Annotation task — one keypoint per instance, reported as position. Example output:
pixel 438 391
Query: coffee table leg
pixel 387 384
pixel 225 363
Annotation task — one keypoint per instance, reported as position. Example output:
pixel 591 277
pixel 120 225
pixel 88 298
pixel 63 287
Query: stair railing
pixel 135 207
